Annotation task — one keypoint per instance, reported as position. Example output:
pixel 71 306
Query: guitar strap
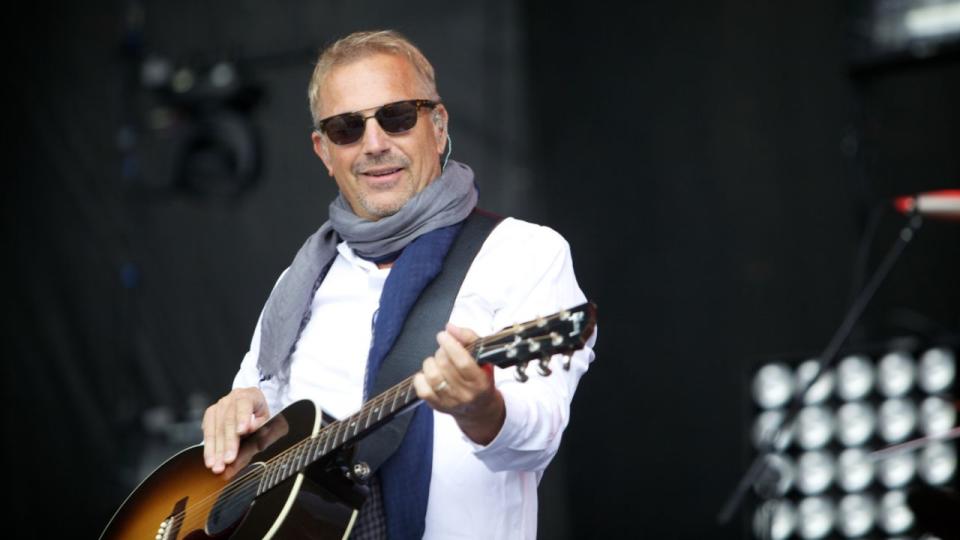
pixel 417 339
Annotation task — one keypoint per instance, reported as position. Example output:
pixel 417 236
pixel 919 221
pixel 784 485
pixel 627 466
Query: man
pixel 381 132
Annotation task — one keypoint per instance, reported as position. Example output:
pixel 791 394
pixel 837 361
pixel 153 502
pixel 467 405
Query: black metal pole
pixel 826 360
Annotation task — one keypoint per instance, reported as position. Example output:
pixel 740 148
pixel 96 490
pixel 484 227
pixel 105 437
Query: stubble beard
pixel 399 193
pixel 389 207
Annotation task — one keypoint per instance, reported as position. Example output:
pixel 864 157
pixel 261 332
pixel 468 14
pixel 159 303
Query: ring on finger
pixel 440 387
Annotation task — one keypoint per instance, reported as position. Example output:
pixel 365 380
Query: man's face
pixel 380 172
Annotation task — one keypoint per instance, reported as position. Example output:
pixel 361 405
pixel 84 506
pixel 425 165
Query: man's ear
pixel 440 119
pixel 321 150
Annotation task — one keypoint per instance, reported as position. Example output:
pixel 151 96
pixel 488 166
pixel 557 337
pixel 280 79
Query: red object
pixel 942 204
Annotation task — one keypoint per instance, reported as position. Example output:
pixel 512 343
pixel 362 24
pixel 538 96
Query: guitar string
pixel 255 476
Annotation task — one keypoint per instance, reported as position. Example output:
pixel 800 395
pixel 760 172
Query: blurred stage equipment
pixel 903 30
pixel 187 118
pixel 817 420
pixel 207 108
pixel 943 204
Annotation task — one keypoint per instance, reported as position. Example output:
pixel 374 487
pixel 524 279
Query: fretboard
pixel 560 333
pixel 336 435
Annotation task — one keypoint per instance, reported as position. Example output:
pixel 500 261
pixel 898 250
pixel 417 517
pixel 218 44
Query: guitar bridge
pixel 170 527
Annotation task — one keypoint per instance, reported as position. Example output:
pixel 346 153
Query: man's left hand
pixel 451 382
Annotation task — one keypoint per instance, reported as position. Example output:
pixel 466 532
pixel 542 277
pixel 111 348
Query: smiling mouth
pixel 382 172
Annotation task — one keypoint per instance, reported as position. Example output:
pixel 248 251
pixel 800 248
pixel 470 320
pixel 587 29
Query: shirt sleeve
pixel 527 273
pixel 249 373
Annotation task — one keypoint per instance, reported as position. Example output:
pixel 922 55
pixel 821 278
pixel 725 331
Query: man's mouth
pixel 379 173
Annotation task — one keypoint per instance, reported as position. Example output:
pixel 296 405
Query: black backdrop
pixel 727 165
pixel 717 168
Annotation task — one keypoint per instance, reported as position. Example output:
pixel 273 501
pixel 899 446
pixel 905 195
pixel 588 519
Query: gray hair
pixel 360 45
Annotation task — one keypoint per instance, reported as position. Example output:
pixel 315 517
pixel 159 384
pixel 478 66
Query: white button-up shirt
pixel 522 271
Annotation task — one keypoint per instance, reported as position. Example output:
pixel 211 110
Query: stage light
pixel 775 520
pixel 897 419
pixel 814 427
pixel 934 20
pixel 898 470
pixel 856 514
pixel 815 471
pixel 894 31
pixel 855 377
pixel 938 463
pixel 781 476
pixel 896 374
pixel 815 517
pixel 895 516
pixel 205 111
pixel 937 416
pixel 821 389
pixel 854 470
pixel 766 426
pixel 827 462
pixel 773 386
pixel 938 369
pixel 856 422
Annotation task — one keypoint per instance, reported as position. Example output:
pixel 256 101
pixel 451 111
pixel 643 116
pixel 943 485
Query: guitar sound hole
pixel 235 499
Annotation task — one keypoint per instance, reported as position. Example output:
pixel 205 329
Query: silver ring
pixel 438 388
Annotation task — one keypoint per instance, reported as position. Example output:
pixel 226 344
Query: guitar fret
pixel 338 434
pixel 373 415
pixel 326 443
pixel 280 466
pixel 262 486
pixel 281 470
pixel 271 471
pixel 393 402
pixel 317 451
pixel 298 455
pixel 307 452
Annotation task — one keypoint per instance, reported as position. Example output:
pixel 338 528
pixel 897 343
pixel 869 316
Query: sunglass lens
pixel 397 117
pixel 344 129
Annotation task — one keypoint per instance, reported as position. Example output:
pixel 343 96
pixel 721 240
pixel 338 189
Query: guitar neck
pixel 560 333
pixel 336 435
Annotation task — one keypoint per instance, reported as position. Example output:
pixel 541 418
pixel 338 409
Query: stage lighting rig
pixel 854 454
pixel 888 32
pixel 204 109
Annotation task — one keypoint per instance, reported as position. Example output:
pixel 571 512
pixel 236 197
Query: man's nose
pixel 375 140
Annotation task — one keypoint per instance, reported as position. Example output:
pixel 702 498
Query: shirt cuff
pixel 515 413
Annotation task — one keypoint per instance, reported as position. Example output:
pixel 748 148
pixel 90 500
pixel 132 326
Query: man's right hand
pixel 238 413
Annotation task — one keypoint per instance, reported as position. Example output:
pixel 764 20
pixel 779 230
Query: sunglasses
pixel 394 118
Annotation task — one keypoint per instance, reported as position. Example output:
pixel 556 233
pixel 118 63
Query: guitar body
pixel 182 499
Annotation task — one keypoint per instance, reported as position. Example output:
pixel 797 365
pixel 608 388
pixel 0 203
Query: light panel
pixel 826 480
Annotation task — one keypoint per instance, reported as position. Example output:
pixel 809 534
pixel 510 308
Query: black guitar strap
pixel 417 339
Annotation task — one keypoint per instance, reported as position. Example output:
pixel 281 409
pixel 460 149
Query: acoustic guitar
pixel 293 477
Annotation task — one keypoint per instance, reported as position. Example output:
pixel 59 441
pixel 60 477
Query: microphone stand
pixel 825 361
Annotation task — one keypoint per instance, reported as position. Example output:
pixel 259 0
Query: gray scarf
pixel 447 200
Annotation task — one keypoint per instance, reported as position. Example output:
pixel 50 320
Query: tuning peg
pixel 543 367
pixel 566 361
pixel 521 374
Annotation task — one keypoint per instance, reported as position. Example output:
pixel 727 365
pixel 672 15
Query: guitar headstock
pixel 561 333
